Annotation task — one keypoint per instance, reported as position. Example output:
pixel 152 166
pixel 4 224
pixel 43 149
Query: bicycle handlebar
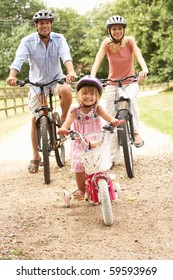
pixel 135 76
pixel 120 80
pixel 41 85
pixel 107 127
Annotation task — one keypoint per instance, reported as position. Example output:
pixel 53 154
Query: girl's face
pixel 88 96
pixel 117 31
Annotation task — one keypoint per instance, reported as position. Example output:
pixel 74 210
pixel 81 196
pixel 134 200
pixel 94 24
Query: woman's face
pixel 117 31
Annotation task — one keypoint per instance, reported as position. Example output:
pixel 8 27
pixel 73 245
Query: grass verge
pixel 156 111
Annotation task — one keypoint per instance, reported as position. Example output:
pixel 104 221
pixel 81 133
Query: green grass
pixel 157 111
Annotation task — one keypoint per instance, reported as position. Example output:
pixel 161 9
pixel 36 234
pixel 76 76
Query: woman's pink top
pixel 121 60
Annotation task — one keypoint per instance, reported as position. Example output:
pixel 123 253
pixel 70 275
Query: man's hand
pixel 12 81
pixel 70 77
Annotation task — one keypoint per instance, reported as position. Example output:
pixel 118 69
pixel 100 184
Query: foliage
pixel 149 21
pixel 15 22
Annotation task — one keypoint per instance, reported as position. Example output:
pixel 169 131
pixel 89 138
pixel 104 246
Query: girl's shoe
pixel 78 195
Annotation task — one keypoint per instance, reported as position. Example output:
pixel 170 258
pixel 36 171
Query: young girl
pixel 85 119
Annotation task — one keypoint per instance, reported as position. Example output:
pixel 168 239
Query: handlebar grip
pixel 121 122
pixel 20 83
pixel 67 132
pixel 109 127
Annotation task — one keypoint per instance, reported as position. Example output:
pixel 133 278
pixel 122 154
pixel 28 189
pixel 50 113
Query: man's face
pixel 44 27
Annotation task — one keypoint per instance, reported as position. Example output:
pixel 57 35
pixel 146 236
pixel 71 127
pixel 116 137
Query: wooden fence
pixel 159 86
pixel 12 98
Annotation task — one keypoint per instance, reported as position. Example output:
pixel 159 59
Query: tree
pixel 15 22
pixel 149 21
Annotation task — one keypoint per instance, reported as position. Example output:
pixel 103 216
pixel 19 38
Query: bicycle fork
pixel 92 184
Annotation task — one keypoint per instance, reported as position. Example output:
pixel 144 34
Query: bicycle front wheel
pixel 126 142
pixel 45 148
pixel 59 146
pixel 105 201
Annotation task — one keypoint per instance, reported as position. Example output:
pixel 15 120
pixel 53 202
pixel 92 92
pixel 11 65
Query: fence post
pixel 5 103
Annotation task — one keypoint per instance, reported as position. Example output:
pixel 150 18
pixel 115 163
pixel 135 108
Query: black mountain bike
pixel 123 108
pixel 47 123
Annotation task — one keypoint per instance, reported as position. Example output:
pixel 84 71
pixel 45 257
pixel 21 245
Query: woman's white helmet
pixel 115 20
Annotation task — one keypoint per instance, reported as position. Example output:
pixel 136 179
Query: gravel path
pixel 35 225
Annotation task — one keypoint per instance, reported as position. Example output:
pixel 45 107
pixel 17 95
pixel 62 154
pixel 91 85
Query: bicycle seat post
pixel 119 83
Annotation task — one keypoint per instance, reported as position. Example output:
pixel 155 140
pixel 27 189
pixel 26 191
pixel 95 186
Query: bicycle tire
pixel 45 148
pixel 126 142
pixel 105 202
pixel 59 147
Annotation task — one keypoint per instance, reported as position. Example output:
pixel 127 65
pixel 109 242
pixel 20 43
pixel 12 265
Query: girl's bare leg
pixel 80 181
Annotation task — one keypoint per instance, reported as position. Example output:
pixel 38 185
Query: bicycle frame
pixel 123 104
pixel 92 189
pixel 123 111
pixel 98 184
pixel 46 111
pixel 46 123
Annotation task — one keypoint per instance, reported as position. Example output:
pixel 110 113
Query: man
pixel 44 51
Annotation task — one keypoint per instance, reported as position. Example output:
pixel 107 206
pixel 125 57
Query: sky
pixel 81 6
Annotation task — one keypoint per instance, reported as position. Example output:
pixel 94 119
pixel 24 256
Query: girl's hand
pixel 114 122
pixel 63 131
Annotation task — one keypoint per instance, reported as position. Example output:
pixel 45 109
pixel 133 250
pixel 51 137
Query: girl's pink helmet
pixel 89 81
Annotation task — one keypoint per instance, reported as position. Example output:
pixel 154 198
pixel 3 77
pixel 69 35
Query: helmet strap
pixel 43 37
pixel 113 40
pixel 83 106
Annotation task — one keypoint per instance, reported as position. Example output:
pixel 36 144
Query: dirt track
pixel 35 225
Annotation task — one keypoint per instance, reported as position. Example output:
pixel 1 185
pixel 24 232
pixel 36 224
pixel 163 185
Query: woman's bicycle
pixel 99 187
pixel 47 123
pixel 123 108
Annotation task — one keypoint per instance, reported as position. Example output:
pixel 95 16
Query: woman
pixel 120 51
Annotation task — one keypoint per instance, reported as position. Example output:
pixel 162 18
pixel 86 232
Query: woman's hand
pixel 142 75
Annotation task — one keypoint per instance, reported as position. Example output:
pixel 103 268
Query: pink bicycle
pixel 99 187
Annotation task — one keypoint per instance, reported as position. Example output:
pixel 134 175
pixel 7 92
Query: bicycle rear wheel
pixel 59 146
pixel 105 201
pixel 45 147
pixel 126 142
